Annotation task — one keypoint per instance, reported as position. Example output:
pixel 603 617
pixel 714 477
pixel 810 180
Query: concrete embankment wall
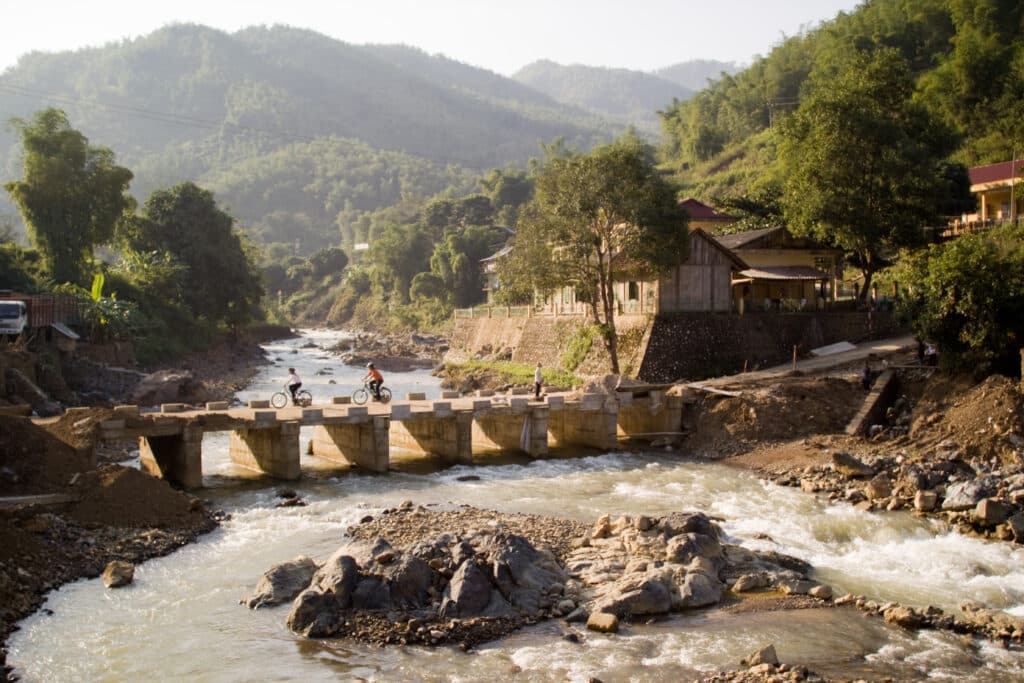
pixel 543 339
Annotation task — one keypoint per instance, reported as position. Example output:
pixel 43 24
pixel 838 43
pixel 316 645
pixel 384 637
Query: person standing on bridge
pixel 538 379
pixel 294 382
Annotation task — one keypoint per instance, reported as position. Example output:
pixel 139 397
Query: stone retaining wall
pixel 699 345
pixel 688 346
pixel 86 375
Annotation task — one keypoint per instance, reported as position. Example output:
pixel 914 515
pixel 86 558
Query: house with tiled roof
pixel 784 271
pixel 704 216
pixel 997 188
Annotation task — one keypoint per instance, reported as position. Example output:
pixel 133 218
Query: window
pixel 634 291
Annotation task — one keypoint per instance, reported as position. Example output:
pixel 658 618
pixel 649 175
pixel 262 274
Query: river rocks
pixel 904 617
pixel 118 574
pixel 750 582
pixel 925 501
pixel 766 655
pixel 879 487
pixel 481 583
pixel 991 512
pixel 163 386
pixel 282 582
pixel 846 464
pixel 965 495
pixel 603 622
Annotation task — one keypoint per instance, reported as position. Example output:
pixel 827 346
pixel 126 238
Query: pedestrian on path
pixel 538 379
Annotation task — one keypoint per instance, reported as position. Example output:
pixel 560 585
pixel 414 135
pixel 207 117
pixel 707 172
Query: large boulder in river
pixel 282 582
pixel 471 593
pixel 163 386
pixel 522 573
pixel 965 495
pixel 849 466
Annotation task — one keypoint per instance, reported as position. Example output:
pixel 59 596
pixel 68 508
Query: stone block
pixel 311 415
pixel 401 412
pixel 265 415
pixel 216 405
pixel 925 501
pixel 259 403
pixel 442 408
pixel 483 393
pixel 416 396
pixel 624 398
pixel 127 411
pixel 172 407
pixel 481 405
pixel 450 394
pixel 358 411
pixel 591 401
pixel 555 401
pixel 520 391
pixel 991 512
pixel 518 403
pixel 112 425
pixel 603 622
pixel 341 400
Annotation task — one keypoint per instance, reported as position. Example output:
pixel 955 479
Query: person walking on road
pixel 538 379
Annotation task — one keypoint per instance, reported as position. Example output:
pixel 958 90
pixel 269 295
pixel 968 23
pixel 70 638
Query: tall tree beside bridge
pixel 71 195
pixel 592 213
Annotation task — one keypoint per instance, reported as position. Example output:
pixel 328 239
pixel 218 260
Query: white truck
pixel 13 317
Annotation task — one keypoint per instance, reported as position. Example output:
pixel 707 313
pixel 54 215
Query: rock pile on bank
pixel 455 581
pixel 392 353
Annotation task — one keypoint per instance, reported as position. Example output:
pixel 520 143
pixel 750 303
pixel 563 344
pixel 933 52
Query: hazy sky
pixel 501 36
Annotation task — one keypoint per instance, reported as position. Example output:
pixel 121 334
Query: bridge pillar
pixel 590 423
pixel 448 436
pixel 178 458
pixel 273 450
pixel 521 427
pixel 363 443
pixel 655 414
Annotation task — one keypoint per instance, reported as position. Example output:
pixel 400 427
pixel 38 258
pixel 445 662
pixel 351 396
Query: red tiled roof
pixel 700 211
pixel 993 173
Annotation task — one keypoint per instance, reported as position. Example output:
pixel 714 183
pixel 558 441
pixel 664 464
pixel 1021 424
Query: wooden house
pixel 784 271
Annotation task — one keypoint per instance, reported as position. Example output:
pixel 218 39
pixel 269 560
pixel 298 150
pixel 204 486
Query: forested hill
pixel 696 73
pixel 322 125
pixel 630 97
pixel 966 58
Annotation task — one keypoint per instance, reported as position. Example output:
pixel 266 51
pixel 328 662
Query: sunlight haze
pixel 502 37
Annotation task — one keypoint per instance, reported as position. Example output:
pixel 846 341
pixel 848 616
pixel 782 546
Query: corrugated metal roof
pixel 785 273
pixel 65 330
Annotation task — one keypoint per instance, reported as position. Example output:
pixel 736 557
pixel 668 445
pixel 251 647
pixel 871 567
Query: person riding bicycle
pixel 294 382
pixel 376 380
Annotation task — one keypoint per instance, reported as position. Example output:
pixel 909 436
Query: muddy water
pixel 181 619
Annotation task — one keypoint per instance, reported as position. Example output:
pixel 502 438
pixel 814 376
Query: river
pixel 181 619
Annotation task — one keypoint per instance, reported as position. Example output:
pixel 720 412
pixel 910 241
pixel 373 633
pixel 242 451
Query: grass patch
pixel 579 345
pixel 507 372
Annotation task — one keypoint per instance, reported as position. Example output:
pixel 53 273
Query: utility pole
pixel 1013 186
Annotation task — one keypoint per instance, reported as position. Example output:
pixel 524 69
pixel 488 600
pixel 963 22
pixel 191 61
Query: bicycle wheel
pixel 385 395
pixel 279 400
pixel 359 396
pixel 303 398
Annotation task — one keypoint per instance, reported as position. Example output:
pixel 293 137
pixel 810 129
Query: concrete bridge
pixel 453 429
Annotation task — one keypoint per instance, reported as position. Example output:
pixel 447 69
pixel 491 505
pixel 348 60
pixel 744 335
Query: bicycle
pixel 302 398
pixel 360 396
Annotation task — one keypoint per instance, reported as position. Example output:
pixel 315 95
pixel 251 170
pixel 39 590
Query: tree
pixel 863 161
pixel 71 195
pixel 328 261
pixel 218 281
pixel 592 215
pixel 967 296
